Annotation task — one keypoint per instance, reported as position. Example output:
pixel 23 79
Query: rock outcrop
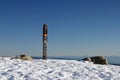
pixel 96 60
pixel 23 57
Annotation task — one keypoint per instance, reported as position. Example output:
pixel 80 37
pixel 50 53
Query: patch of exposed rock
pixel 96 60
pixel 23 57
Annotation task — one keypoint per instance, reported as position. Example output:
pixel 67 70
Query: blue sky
pixel 76 27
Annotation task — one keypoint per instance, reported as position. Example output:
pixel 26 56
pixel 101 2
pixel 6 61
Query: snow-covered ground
pixel 52 69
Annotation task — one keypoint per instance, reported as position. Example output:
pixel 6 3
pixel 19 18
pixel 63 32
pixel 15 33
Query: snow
pixel 52 69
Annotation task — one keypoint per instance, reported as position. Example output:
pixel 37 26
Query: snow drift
pixel 52 69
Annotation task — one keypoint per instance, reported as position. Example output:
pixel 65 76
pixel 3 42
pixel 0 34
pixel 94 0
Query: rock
pixel 23 57
pixel 96 60
pixel 87 59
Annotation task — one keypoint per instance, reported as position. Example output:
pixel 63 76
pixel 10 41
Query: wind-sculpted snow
pixel 52 69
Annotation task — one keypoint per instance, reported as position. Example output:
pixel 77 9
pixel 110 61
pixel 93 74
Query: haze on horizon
pixel 75 27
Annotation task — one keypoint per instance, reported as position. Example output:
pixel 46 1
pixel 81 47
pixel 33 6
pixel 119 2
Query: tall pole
pixel 45 35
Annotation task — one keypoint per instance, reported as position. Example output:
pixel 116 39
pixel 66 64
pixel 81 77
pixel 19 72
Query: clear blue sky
pixel 76 27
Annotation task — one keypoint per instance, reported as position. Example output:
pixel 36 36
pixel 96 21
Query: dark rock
pixel 96 60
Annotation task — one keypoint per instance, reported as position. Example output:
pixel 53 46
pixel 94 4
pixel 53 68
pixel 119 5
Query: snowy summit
pixel 52 69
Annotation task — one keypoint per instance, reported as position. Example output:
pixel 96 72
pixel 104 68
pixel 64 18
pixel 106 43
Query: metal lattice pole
pixel 45 37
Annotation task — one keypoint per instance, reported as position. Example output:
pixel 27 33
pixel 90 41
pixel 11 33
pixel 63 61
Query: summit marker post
pixel 45 38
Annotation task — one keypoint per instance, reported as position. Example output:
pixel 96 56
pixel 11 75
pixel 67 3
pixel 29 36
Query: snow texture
pixel 52 69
